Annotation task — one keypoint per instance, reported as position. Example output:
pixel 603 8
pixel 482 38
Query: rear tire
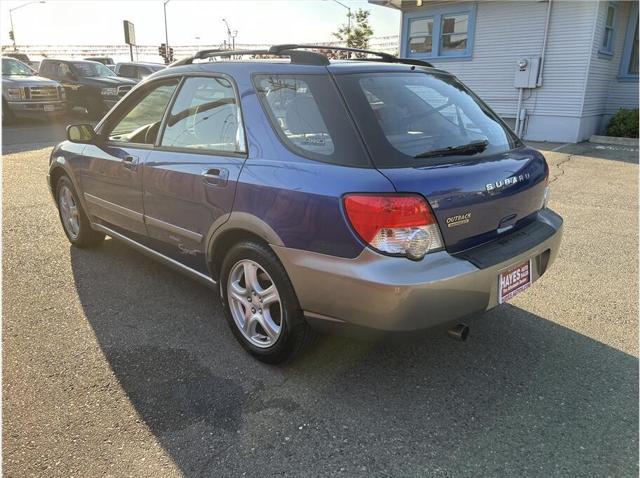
pixel 261 306
pixel 74 220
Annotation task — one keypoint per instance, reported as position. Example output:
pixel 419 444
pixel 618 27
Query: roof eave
pixel 395 4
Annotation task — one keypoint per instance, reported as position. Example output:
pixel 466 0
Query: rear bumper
pixel 395 294
pixel 37 108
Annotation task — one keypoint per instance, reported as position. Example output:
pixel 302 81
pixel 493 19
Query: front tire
pixel 74 220
pixel 8 117
pixel 261 306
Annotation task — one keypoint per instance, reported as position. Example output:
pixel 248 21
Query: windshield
pixel 92 69
pixel 410 119
pixel 11 67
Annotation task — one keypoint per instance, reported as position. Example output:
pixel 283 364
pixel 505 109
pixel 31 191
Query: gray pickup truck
pixel 24 94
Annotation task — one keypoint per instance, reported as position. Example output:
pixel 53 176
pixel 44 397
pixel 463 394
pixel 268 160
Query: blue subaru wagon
pixel 369 192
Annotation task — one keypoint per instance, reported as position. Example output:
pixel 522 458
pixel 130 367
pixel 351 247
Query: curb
pixel 614 140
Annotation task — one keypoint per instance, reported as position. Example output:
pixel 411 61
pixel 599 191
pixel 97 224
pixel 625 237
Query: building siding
pixel 604 94
pixel 508 31
pixel 580 87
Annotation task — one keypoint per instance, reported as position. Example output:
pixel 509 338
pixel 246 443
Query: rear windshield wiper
pixel 471 148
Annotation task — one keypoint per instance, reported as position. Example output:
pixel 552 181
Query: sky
pixel 190 22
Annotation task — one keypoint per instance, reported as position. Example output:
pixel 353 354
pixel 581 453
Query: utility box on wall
pixel 527 72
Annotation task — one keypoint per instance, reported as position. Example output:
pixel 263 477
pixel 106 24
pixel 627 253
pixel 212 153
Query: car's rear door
pixel 111 172
pixel 190 177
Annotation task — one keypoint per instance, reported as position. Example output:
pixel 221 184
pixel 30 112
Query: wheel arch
pixel 238 227
pixel 60 167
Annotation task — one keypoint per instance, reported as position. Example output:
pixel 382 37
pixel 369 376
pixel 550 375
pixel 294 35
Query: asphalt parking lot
pixel 117 366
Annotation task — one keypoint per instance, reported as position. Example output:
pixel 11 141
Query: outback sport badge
pixel 507 182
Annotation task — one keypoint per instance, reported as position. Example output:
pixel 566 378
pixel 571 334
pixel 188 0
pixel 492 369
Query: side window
pixel 63 70
pixel 297 113
pixel 206 115
pixel 128 71
pixel 142 122
pixel 142 72
pixel 310 118
pixel 52 69
pixel 47 69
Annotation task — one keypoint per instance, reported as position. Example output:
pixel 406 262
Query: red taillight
pixel 395 224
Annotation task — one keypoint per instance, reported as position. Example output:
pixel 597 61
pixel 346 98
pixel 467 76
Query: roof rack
pixel 300 54
pixel 301 57
pixel 385 57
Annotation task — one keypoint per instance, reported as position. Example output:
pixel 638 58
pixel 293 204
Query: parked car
pixel 315 194
pixel 88 84
pixel 137 71
pixel 26 95
pixel 105 60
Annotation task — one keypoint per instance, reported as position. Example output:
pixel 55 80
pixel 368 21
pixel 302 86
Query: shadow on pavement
pixel 32 134
pixel 625 154
pixel 524 396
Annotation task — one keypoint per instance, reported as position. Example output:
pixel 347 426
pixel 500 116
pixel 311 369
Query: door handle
pixel 130 162
pixel 215 176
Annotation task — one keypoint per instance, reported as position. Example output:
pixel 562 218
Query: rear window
pixel 309 116
pixel 415 119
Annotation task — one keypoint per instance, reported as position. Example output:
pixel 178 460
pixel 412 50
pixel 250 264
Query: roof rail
pixel 302 57
pixel 386 57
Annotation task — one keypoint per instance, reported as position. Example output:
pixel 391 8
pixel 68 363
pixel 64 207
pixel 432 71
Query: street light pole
pixel 166 30
pixel 348 19
pixel 228 32
pixel 13 32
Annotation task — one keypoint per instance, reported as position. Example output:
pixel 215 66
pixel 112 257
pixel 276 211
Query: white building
pixel 580 58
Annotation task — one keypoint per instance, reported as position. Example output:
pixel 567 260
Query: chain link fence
pixel 387 44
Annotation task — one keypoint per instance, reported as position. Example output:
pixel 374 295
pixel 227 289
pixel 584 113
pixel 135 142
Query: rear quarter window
pixel 310 118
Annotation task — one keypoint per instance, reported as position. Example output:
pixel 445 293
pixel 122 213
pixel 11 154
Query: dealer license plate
pixel 513 281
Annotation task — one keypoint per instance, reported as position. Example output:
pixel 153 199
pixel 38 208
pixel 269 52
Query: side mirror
pixel 81 133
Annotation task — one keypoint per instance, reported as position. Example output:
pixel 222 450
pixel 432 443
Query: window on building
pixel 454 33
pixel 633 63
pixel 607 39
pixel 629 60
pixel 421 35
pixel 440 32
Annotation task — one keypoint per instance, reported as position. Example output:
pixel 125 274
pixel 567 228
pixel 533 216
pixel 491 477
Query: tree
pixel 358 36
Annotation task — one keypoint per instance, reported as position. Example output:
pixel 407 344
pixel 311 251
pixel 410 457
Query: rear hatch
pixel 429 134
pixel 475 201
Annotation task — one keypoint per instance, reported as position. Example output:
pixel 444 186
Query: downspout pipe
pixel 518 110
pixel 544 44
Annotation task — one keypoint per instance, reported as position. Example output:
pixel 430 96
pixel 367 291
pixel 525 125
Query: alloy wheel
pixel 255 303
pixel 69 212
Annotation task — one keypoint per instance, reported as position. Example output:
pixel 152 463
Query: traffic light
pixel 11 36
pixel 170 54
pixel 162 50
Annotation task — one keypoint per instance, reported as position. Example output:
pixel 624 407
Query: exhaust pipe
pixel 459 332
